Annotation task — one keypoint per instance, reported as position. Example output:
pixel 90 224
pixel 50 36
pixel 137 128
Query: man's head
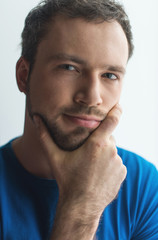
pixel 37 22
pixel 77 66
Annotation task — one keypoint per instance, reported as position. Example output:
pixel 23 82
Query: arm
pixel 88 178
pixel 72 223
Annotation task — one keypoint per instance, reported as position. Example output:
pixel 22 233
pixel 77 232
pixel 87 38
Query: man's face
pixel 77 78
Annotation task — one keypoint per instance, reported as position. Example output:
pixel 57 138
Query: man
pixel 64 178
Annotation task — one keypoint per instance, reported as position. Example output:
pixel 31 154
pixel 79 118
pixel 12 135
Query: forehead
pixel 90 41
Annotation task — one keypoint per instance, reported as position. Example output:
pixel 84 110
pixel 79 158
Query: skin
pixel 77 96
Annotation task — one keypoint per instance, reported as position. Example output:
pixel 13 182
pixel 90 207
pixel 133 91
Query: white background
pixel 138 129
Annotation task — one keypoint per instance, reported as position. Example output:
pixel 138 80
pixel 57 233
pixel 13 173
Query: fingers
pixel 48 144
pixel 109 124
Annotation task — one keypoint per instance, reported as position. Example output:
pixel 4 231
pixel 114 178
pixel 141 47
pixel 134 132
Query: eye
pixel 110 76
pixel 67 67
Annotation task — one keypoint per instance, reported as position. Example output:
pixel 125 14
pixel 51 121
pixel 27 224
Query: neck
pixel 29 152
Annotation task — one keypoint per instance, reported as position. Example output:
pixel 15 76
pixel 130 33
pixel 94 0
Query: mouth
pixel 84 121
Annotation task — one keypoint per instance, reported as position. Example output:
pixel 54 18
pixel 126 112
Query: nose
pixel 89 91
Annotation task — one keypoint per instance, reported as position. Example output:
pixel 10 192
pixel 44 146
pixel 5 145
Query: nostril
pixel 89 91
pixel 88 100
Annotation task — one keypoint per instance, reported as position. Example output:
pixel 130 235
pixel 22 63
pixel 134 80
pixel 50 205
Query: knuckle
pixel 43 140
pixel 112 139
pixel 124 170
pixel 114 119
pixel 123 173
pixel 42 136
pixel 119 109
pixel 98 144
pixel 114 152
pixel 120 160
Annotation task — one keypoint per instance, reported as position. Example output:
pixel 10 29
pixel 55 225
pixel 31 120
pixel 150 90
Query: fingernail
pixel 36 121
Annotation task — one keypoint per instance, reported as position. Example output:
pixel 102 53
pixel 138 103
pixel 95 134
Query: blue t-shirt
pixel 28 203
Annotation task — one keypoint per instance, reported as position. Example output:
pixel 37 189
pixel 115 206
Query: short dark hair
pixel 37 21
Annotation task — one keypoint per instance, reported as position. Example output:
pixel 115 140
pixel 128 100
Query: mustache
pixel 79 109
pixel 72 110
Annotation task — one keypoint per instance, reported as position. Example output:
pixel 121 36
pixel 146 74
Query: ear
pixel 22 72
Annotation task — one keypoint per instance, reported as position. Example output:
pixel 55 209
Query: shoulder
pixel 5 151
pixel 6 158
pixel 140 190
pixel 141 183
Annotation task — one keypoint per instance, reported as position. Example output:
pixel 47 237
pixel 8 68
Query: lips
pixel 84 121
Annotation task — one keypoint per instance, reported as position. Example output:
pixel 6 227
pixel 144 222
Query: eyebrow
pixel 67 57
pixel 63 56
pixel 116 68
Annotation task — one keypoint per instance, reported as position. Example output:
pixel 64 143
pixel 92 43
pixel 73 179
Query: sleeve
pixel 146 215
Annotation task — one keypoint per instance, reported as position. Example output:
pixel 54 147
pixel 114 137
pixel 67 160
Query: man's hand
pixel 88 178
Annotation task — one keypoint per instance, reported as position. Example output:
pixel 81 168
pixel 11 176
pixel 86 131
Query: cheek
pixel 111 96
pixel 49 97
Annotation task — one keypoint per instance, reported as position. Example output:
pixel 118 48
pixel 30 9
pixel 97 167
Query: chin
pixel 70 142
pixel 70 147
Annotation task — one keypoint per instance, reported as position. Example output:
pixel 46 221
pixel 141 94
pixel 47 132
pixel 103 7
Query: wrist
pixel 82 208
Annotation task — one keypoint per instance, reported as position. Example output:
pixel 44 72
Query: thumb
pixel 106 128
